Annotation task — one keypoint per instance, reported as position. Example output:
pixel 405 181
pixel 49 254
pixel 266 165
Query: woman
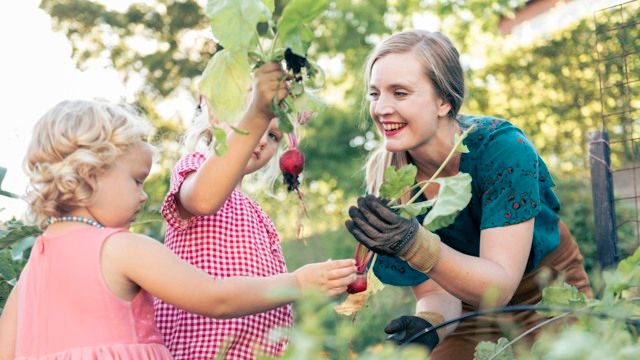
pixel 508 233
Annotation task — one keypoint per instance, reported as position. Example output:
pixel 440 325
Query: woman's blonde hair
pixel 72 144
pixel 199 138
pixel 441 63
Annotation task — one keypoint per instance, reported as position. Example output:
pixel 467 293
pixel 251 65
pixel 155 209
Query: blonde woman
pixel 506 236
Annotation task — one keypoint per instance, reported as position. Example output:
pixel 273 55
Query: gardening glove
pixel 381 230
pixel 405 327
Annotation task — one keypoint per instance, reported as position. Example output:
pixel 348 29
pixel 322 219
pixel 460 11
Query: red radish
pixel 362 256
pixel 292 164
pixel 359 284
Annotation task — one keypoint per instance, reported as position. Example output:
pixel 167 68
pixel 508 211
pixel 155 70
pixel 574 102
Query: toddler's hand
pixel 268 84
pixel 331 276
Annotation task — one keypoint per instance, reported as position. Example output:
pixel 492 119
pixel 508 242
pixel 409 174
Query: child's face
pixel 266 148
pixel 119 194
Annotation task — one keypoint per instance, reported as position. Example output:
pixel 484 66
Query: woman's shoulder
pixel 484 124
pixel 489 131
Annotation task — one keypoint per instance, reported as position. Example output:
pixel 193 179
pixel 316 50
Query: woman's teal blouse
pixel 510 184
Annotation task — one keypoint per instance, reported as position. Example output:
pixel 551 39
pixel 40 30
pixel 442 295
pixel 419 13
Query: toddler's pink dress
pixel 66 311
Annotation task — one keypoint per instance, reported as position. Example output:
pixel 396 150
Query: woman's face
pixel 403 102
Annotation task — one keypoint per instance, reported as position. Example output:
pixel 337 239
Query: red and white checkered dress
pixel 238 240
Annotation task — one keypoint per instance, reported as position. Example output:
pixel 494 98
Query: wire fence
pixel 615 147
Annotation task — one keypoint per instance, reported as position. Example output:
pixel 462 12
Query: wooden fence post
pixel 602 193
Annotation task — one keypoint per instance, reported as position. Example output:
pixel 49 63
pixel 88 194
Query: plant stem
pixel 443 165
pixel 258 41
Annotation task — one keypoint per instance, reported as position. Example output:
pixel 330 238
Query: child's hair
pixel 199 137
pixel 441 64
pixel 72 144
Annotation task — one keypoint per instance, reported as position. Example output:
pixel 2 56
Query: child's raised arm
pixel 8 326
pixel 205 190
pixel 153 267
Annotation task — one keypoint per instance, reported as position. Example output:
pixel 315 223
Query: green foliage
pixel 454 192
pixel 398 181
pixel 601 330
pixel 454 195
pixel 16 240
pixel 361 331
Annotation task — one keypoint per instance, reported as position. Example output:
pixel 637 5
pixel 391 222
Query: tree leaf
pixel 396 181
pixel 454 195
pixel 292 26
pixel 226 82
pixel 15 231
pixel 233 22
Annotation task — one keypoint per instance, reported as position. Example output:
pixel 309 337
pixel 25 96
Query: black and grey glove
pixel 405 327
pixel 381 230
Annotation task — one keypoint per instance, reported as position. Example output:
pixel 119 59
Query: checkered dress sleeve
pixel 187 164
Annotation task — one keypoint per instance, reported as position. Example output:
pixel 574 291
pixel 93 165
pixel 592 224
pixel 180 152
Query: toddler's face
pixel 266 148
pixel 119 194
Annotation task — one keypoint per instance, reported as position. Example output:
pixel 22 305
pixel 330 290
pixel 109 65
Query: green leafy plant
pixel 605 328
pixel 249 36
pixel 453 195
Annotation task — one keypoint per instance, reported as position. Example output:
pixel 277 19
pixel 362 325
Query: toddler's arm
pixel 204 191
pixel 154 268
pixel 8 326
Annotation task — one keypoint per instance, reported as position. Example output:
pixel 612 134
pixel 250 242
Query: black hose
pixel 517 308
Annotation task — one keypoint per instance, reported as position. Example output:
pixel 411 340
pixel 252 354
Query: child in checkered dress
pixel 214 226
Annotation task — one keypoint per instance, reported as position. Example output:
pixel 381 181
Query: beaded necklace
pixel 53 220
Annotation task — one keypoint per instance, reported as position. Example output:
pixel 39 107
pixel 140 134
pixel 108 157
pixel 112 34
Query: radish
pixel 358 285
pixel 362 256
pixel 292 164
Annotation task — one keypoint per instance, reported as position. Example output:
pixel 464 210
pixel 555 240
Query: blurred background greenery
pixel 549 87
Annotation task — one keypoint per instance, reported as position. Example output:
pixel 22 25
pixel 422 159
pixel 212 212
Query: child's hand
pixel 269 83
pixel 331 276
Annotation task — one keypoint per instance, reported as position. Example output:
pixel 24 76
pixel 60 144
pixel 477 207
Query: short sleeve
pixel 394 271
pixel 187 164
pixel 508 175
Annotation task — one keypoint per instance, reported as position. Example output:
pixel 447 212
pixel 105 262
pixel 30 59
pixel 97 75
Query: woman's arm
pixel 432 297
pixel 503 257
pixel 150 265
pixel 9 326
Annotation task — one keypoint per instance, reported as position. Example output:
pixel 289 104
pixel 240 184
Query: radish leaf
pixel 227 98
pixel 397 181
pixel 292 27
pixel 234 22
pixel 454 195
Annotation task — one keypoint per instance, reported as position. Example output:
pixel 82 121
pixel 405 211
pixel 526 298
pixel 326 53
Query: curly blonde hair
pixel 72 144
